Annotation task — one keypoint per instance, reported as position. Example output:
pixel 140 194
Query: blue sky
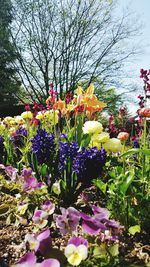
pixel 141 9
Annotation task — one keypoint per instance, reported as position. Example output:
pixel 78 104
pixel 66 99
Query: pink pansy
pixel 41 242
pixel 30 184
pixel 48 206
pixel 11 172
pixel 40 218
pixel 92 224
pixel 78 240
pixel 68 220
pixel 29 260
pixel 45 242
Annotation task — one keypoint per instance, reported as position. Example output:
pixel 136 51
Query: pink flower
pixel 48 206
pixel 68 220
pixel 123 136
pixel 41 242
pixel 29 260
pixel 40 218
pixel 77 241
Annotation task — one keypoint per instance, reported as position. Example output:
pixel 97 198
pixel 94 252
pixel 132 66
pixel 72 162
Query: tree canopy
pixel 9 85
pixel 65 41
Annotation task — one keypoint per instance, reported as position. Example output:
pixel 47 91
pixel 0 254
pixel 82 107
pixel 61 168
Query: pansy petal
pixel 76 240
pixel 75 259
pixel 82 251
pixel 69 250
pixel 48 263
pixel 104 212
pixel 29 259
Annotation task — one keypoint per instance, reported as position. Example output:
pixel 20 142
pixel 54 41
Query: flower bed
pixel 76 194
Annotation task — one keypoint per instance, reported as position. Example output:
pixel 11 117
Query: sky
pixel 141 9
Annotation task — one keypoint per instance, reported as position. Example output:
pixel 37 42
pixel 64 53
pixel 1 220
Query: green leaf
pixel 146 152
pixel 101 185
pixel 4 209
pixel 114 250
pixel 135 151
pixel 134 229
pixel 100 251
pixel 127 182
pixel 79 131
pixel 43 170
pixel 35 164
pixel 131 152
pixel 85 140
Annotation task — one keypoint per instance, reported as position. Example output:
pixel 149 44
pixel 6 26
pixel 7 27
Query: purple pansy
pixel 77 241
pixel 30 183
pixel 29 260
pixel 45 242
pixel 48 206
pixel 100 222
pixel 40 218
pixel 11 172
pixel 26 173
pixel 92 224
pixel 68 220
pixel 102 212
pixel 41 242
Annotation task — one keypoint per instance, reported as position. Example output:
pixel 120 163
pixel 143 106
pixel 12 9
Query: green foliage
pixel 134 229
pixel 9 84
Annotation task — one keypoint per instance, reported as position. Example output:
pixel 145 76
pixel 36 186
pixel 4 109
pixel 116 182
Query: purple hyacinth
pixel 67 151
pixel 43 146
pixel 18 137
pixel 136 143
pixel 88 164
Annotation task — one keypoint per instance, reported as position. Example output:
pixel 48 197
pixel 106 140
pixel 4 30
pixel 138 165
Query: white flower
pixel 100 138
pixel 56 188
pixel 113 145
pixel 92 127
pixel 75 254
pixel 19 120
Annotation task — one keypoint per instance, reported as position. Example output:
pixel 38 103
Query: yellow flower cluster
pixel 11 123
pixel 51 116
pixel 27 115
pixel 101 139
